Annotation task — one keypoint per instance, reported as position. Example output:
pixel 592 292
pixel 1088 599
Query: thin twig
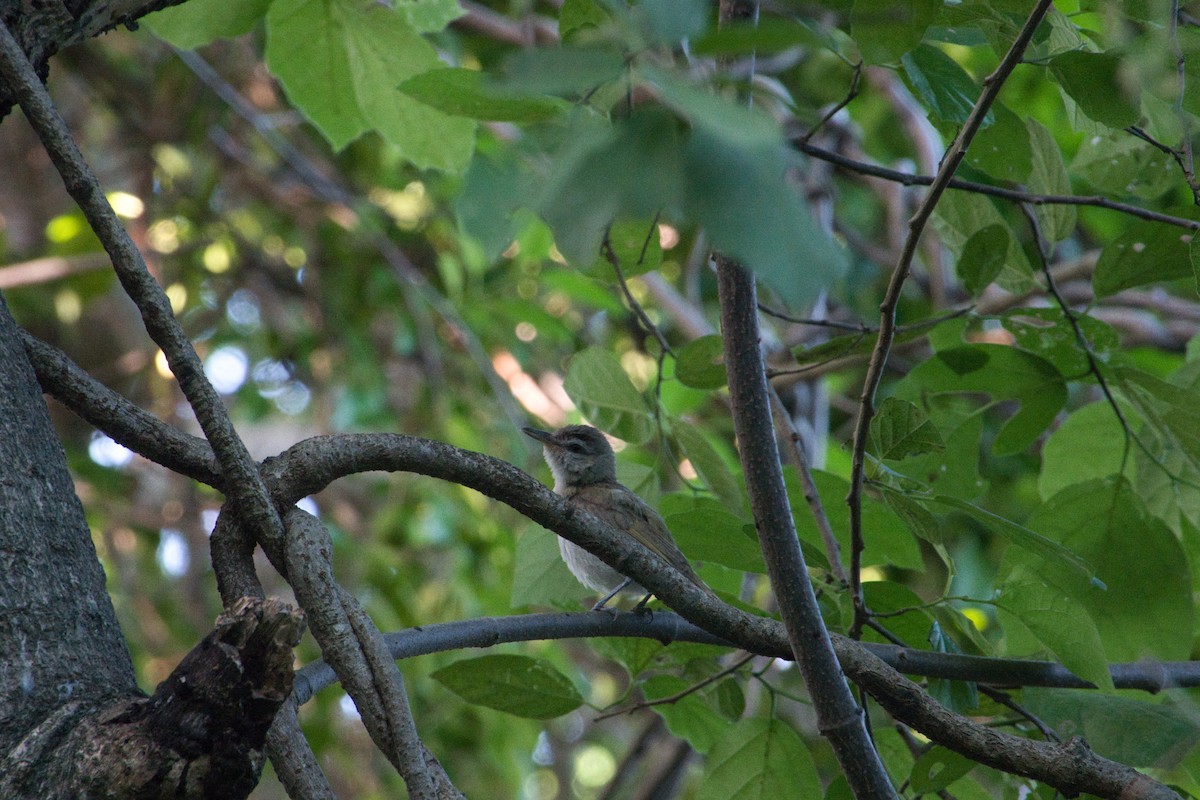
pixel 1184 154
pixel 908 179
pixel 887 326
pixel 851 93
pixel 1005 700
pixel 682 693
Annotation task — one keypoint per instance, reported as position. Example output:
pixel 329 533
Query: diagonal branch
pixel 887 309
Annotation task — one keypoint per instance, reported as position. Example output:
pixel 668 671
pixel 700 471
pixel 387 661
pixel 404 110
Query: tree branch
pixel 907 179
pixel 887 326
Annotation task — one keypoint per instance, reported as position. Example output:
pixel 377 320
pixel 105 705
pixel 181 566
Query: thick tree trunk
pixel 59 639
pixel 73 723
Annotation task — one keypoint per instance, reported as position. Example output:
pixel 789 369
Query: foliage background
pixel 377 243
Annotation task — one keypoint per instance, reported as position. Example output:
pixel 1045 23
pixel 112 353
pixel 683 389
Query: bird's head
pixel 578 455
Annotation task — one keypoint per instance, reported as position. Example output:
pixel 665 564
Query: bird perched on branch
pixel 585 474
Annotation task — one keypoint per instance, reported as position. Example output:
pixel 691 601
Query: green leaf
pixel 1095 82
pixel 1148 600
pixel 632 170
pixel 1002 150
pixel 1002 372
pixel 1048 175
pixel 1146 252
pixel 708 465
pixel 465 93
pixel 916 516
pixel 886 30
pixel 1046 333
pixel 701 363
pixel 1126 729
pixel 692 717
pixel 636 246
pixel 767 35
pixel 633 653
pixel 306 50
pixel 429 16
pixel 983 257
pixel 705 530
pixel 493 189
pixel 900 429
pixel 199 22
pixel 596 382
pixel 340 62
pixel 735 186
pixel 758 758
pixel 1170 409
pixel 936 769
pixel 671 21
pixel 1051 553
pixel 539 576
pixel 1061 624
pixel 957 221
pixel 518 685
pixel 887 536
pixel 1089 444
pixel 578 14
pixel 1121 165
pixel 945 87
pixel 955 470
pixel 568 71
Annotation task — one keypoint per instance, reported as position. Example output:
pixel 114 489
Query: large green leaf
pixel 964 214
pixel 983 257
pixel 466 93
pixel 1053 556
pixel 886 30
pixel 1048 175
pixel 340 62
pixel 709 465
pixel 1089 444
pixel 705 530
pixel 198 22
pixel 936 769
pixel 945 87
pixel 887 537
pixel 632 170
pixel 1061 624
pixel 1002 372
pixel 1046 333
pixel 694 717
pixel 701 363
pixel 759 758
pixel 1095 81
pixel 1146 252
pixel 515 684
pixel 1121 165
pixel 899 430
pixel 596 382
pixel 1130 730
pixel 1003 149
pixel 1147 602
pixel 539 576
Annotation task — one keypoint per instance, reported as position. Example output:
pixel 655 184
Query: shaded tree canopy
pixel 889 310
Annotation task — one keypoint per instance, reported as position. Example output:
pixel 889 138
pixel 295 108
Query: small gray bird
pixel 585 474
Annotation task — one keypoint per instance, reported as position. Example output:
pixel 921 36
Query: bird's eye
pixel 575 447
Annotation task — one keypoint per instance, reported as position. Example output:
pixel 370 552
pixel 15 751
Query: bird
pixel 585 475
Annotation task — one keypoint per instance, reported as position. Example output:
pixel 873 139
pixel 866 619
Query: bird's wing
pixel 630 513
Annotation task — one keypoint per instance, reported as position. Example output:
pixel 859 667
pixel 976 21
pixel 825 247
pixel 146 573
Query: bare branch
pixel 1014 195
pixel 887 325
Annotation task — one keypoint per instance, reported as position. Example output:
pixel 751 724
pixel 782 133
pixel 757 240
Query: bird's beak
pixel 545 437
